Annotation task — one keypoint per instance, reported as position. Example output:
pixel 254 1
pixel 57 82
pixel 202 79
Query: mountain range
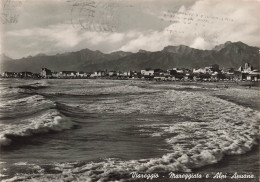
pixel 230 54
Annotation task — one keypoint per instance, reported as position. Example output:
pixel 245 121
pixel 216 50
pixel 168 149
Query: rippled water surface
pixel 90 130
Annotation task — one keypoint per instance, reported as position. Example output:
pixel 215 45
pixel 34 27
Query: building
pixel 36 76
pixel 147 72
pixel 150 73
pixel 136 75
pixel 178 70
pixel 207 70
pixel 25 74
pixel 67 74
pixel 229 73
pixel 54 74
pixel 100 73
pixel 247 68
pixel 81 74
pixel 240 69
pixel 93 75
pixel 112 73
pixel 253 76
pixel 46 73
pixel 119 73
pixel 158 72
pixel 203 70
pixel 10 74
pixel 128 73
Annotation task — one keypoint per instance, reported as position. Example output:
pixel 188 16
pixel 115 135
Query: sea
pixel 128 130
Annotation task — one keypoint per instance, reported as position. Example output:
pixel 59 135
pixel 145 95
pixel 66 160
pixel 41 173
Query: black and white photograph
pixel 129 90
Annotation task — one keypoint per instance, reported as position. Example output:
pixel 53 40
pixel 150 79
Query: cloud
pixel 211 23
pixel 151 41
pixel 46 27
pixel 199 42
pixel 240 21
pixel 61 37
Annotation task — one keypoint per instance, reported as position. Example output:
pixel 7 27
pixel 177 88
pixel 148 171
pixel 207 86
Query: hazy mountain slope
pixel 66 61
pixel 226 55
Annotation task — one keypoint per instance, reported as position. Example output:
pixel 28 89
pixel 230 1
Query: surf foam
pixel 51 120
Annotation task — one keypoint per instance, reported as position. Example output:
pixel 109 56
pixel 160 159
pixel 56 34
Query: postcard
pixel 129 90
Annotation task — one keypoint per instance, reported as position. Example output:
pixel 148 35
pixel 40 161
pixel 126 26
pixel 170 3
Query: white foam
pixel 15 178
pixel 51 120
pixel 24 106
pixel 209 129
pixel 2 175
pixel 21 163
pixel 125 89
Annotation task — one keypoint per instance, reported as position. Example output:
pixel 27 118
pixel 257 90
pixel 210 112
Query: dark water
pixel 102 130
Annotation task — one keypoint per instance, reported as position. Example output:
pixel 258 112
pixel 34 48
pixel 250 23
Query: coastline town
pixel 210 73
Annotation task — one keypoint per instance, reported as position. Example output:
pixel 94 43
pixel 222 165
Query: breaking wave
pixel 28 116
pixel 210 128
pixel 24 106
pixel 51 120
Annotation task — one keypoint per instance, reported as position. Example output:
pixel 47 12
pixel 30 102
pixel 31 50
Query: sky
pixel 31 27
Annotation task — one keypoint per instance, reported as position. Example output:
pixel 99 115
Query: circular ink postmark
pixel 9 11
pixel 95 15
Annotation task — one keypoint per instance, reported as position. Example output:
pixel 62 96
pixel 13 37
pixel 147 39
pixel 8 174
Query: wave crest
pixel 49 121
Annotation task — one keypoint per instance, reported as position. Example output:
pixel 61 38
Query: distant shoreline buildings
pixel 210 73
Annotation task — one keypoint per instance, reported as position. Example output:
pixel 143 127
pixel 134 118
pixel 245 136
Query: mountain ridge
pixel 229 54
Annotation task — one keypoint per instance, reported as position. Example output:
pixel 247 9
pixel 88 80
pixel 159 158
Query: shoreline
pixel 242 83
